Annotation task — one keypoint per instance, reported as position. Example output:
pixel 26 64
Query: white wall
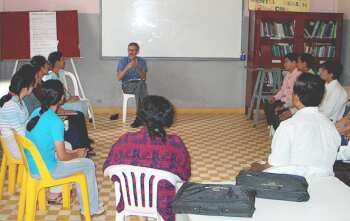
pixel 1 5
pixel 323 5
pixel 343 6
pixel 83 6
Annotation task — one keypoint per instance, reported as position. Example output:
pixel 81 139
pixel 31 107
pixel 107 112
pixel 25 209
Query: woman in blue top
pixel 77 133
pixel 13 112
pixel 57 64
pixel 46 131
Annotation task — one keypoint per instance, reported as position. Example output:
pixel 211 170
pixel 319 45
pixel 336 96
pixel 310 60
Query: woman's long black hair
pixel 38 62
pixel 156 113
pixel 23 78
pixel 52 92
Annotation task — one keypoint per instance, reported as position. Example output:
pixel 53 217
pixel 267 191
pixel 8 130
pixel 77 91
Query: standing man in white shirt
pixel 335 98
pixel 307 143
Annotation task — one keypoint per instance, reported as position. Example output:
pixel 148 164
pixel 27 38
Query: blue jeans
pixel 67 168
pixel 344 141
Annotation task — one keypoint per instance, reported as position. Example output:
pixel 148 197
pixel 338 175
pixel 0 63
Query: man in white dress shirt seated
pixel 307 143
pixel 335 98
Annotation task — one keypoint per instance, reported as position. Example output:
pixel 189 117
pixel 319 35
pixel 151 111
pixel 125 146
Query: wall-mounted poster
pixel 280 5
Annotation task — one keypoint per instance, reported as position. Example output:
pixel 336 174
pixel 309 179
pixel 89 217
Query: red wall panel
pixel 68 33
pixel 15 40
pixel 15 35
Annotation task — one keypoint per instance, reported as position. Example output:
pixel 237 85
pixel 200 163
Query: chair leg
pixel 66 196
pixel 125 111
pixel 22 198
pixel 42 200
pixel 120 217
pixel 20 175
pixel 12 178
pixel 31 199
pixel 2 174
pixel 85 199
pixel 261 79
pixel 91 115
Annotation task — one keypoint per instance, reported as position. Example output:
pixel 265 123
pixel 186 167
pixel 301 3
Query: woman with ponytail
pixel 153 147
pixel 46 130
pixel 13 112
pixel 77 133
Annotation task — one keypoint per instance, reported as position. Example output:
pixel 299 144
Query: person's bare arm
pixel 285 115
pixel 121 74
pixel 64 155
pixel 258 167
pixel 62 111
pixel 343 125
pixel 72 99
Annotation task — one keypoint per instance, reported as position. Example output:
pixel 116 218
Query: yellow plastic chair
pixel 8 161
pixel 35 187
pixel 11 163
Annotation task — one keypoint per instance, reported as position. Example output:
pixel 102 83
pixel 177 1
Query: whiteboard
pixel 172 28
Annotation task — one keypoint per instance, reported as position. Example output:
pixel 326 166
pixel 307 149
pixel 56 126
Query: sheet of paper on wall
pixel 43 33
pixel 280 5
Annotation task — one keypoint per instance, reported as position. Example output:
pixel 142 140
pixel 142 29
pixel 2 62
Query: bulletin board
pixel 280 5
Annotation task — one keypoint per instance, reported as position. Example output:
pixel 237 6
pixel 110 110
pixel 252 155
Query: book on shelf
pixel 275 30
pixel 320 29
pixel 281 49
pixel 321 51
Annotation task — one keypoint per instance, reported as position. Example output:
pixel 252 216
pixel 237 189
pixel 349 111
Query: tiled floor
pixel 219 145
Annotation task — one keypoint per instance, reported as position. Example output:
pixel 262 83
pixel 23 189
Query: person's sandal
pixel 114 117
pixel 55 200
pixel 100 211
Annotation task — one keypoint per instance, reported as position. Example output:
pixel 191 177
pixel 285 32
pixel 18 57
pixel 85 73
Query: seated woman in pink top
pixel 153 147
pixel 283 99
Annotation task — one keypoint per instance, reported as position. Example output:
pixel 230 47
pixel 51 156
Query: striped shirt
pixel 13 115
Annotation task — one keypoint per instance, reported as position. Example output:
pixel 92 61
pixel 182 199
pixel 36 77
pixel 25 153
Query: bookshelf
pixel 275 34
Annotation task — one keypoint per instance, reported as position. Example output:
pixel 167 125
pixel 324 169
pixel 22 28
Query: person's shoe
pixel 101 210
pixel 114 117
pixel 91 141
pixel 54 198
pixel 136 123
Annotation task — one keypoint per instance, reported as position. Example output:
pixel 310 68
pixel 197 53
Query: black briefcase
pixel 275 186
pixel 342 171
pixel 214 200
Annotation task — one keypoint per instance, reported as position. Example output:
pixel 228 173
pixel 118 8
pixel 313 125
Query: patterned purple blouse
pixel 139 150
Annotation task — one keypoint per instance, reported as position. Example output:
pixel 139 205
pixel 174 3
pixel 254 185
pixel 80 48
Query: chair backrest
pixel 6 151
pixel 4 87
pixel 26 144
pixel 143 176
pixel 74 81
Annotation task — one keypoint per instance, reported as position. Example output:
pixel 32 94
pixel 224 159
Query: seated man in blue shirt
pixel 132 71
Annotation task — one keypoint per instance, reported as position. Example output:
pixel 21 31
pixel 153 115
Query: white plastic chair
pixel 80 93
pixel 135 207
pixel 271 130
pixel 4 87
pixel 126 97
